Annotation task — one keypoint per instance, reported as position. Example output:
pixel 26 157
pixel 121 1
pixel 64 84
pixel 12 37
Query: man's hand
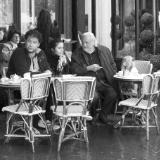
pixel 94 67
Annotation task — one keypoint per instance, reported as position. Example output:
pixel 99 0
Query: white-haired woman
pixel 128 66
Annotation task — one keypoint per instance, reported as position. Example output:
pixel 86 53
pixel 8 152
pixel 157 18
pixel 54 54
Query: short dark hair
pixel 54 43
pixel 33 33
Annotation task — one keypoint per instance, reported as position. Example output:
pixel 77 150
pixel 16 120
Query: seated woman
pixel 14 38
pixel 57 58
pixel 5 54
pixel 59 64
pixel 2 36
pixel 8 48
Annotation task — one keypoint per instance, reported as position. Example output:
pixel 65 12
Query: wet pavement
pixel 105 143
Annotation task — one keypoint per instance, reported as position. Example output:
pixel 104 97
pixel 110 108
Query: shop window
pixel 6 13
pixel 135 30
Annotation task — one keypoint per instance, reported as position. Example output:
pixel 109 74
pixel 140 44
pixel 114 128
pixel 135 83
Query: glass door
pixel 135 24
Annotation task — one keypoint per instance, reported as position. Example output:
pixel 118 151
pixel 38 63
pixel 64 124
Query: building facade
pixel 97 16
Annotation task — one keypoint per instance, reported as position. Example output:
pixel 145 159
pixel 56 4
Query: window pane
pixel 6 13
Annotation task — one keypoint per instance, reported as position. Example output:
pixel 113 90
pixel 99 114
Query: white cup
pixel 27 75
pixel 120 73
pixel 14 77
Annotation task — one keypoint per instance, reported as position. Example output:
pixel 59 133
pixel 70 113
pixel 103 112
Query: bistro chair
pixel 19 123
pixel 73 94
pixel 143 109
pixel 143 67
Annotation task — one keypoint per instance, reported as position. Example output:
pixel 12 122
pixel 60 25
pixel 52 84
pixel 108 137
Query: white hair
pixel 91 36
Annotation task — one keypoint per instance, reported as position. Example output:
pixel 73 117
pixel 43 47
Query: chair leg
pixel 52 124
pixel 123 119
pixel 41 116
pixel 116 108
pixel 31 134
pixel 33 146
pixel 85 131
pixel 147 124
pixel 154 111
pixel 61 135
pixel 8 119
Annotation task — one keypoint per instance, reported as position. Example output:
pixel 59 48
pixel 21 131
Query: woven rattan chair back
pixel 25 89
pixel 34 92
pixel 142 107
pixel 143 67
pixel 35 88
pixel 75 90
pixel 74 93
pixel 40 88
pixel 147 85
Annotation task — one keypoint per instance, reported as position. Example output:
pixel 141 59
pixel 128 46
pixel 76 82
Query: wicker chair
pixel 143 67
pixel 141 108
pixel 19 123
pixel 74 94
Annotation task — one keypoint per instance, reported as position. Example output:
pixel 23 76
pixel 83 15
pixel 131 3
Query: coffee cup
pixel 14 77
pixel 27 75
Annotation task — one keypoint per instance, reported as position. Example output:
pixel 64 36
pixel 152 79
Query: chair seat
pixel 23 110
pixel 72 111
pixel 131 102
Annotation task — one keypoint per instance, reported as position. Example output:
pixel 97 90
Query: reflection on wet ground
pixel 106 143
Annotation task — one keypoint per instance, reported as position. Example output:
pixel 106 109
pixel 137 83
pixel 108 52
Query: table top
pixel 9 84
pixel 137 78
pixel 71 77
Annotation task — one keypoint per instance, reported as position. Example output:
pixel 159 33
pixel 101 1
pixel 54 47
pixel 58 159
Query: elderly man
pixel 90 60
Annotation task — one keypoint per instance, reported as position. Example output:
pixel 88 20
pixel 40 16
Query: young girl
pixel 58 60
pixel 59 63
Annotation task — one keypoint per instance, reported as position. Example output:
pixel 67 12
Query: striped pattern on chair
pixel 34 93
pixel 143 67
pixel 74 94
pixel 145 105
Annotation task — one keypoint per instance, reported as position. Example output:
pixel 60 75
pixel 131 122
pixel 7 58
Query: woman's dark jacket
pixel 53 62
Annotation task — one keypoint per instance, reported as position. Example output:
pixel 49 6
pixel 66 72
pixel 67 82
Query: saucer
pixel 4 80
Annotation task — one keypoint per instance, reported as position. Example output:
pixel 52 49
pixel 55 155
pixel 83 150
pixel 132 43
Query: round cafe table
pixel 137 78
pixel 130 79
pixel 10 86
pixel 125 83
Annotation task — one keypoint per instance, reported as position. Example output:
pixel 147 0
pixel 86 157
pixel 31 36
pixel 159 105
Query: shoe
pixel 88 116
pixel 48 122
pixel 41 124
pixel 56 127
pixel 103 118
